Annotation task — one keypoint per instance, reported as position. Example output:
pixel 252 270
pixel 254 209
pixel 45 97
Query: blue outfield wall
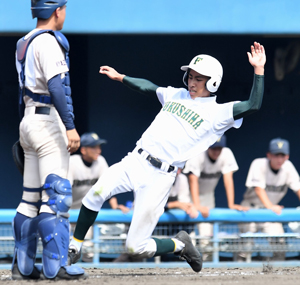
pixel 165 16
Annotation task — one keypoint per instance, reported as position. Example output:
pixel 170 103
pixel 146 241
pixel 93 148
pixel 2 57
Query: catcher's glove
pixel 18 155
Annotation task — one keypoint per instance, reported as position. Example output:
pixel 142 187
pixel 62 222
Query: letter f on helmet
pixel 197 59
pixel 208 66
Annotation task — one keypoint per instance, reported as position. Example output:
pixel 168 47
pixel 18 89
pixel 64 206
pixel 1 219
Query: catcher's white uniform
pixel 43 137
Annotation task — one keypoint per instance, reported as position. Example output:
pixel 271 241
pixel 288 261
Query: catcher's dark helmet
pixel 44 8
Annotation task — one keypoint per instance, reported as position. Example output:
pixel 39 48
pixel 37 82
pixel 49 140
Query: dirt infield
pixel 182 276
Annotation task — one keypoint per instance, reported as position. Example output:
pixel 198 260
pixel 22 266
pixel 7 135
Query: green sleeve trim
pixel 85 220
pixel 252 105
pixel 140 85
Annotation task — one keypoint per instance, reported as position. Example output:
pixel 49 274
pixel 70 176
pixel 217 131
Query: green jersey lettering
pixel 176 108
pixel 193 119
pixel 190 115
pixel 166 106
pixel 196 125
pixel 171 106
pixel 182 108
pixel 185 113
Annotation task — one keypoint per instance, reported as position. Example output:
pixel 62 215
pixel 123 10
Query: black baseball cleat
pixel 17 275
pixel 73 255
pixel 189 252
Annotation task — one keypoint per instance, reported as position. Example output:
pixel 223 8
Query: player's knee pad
pixel 60 194
pixel 54 232
pixel 26 246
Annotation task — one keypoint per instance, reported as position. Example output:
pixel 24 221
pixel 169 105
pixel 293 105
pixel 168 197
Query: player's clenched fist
pixel 73 140
pixel 111 73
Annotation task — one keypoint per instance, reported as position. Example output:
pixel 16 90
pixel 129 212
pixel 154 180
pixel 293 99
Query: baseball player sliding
pixel 188 123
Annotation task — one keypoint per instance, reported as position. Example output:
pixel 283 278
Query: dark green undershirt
pixel 240 109
pixel 85 220
pixel 140 85
pixel 253 104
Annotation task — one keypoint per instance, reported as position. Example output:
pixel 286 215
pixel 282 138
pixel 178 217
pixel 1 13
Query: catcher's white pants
pixel 151 187
pixel 44 141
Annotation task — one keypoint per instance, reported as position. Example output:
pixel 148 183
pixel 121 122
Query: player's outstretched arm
pixel 257 58
pixel 111 73
pixel 138 84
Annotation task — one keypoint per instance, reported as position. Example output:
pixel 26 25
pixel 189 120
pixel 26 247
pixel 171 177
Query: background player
pixel 189 122
pixel 204 173
pixel 179 197
pixel 47 135
pixel 84 171
pixel 86 168
pixel 267 183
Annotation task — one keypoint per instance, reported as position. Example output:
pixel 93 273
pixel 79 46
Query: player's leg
pixel 114 180
pixel 206 231
pixel 246 242
pixel 275 242
pixel 150 200
pixel 26 220
pixel 53 223
pixel 149 203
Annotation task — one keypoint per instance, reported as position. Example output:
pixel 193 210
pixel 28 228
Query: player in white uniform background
pixel 188 123
pixel 86 168
pixel 84 171
pixel 204 173
pixel 268 181
pixel 47 136
pixel 180 198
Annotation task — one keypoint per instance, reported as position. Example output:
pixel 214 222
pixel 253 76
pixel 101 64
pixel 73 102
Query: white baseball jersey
pixel 186 127
pixel 210 172
pixel 276 185
pixel 82 177
pixel 45 58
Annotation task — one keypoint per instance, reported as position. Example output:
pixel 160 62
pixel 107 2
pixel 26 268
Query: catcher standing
pixel 188 123
pixel 47 135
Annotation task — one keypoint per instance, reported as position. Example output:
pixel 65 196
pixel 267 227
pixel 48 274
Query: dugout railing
pixel 228 246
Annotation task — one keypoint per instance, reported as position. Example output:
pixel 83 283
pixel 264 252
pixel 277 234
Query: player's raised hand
pixel 111 73
pixel 257 58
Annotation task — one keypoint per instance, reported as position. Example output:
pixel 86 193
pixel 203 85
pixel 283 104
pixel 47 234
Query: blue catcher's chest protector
pixel 22 47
